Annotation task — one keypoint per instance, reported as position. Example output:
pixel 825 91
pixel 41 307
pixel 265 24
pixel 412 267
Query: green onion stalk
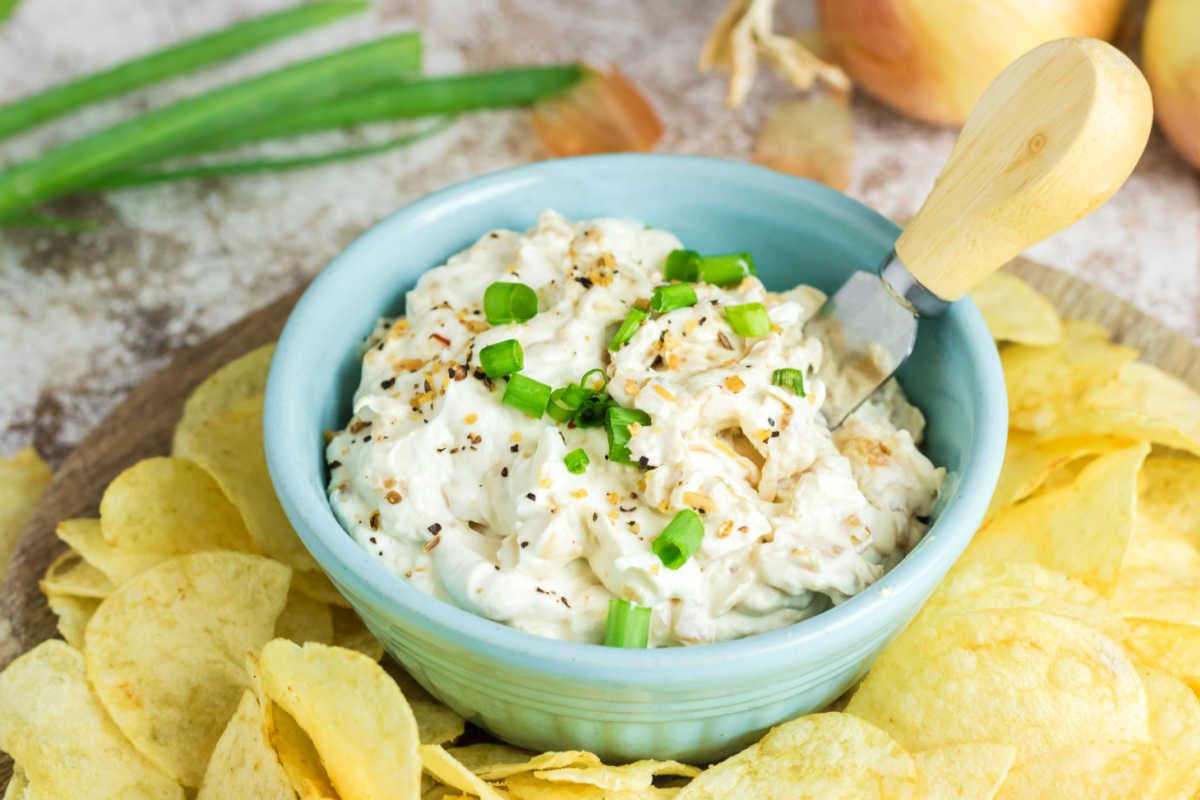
pixel 164 132
pixel 169 62
pixel 151 176
pixel 7 7
pixel 408 99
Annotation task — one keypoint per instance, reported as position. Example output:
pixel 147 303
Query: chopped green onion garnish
pixel 726 270
pixel 749 320
pixel 617 421
pixel 565 402
pixel 669 298
pixel 586 380
pixel 576 461
pixel 505 302
pixel 502 358
pixel 675 545
pixel 574 394
pixel 682 265
pixel 790 378
pixel 525 394
pixel 592 411
pixel 627 625
pixel 633 321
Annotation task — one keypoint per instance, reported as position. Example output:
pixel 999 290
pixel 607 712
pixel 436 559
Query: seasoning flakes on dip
pixel 612 434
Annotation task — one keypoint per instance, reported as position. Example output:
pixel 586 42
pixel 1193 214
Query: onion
pixel 1171 58
pixel 932 59
pixel 603 113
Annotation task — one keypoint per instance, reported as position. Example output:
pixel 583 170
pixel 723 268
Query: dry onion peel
pixel 744 30
pixel 812 138
pixel 603 113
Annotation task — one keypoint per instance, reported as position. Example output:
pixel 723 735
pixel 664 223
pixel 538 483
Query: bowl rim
pixel 348 563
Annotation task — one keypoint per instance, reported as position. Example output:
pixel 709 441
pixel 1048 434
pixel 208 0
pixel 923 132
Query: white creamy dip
pixel 470 499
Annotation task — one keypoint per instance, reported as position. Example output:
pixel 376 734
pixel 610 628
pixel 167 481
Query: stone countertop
pixel 84 317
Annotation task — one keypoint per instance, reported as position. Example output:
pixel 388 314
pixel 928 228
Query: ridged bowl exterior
pixel 695 703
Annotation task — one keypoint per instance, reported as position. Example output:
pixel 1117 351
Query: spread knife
pixel 1052 137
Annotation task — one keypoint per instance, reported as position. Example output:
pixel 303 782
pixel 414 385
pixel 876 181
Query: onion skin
pixel 603 113
pixel 1171 59
pixel 932 59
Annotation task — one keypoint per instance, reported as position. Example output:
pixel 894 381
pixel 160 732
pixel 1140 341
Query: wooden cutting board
pixel 142 426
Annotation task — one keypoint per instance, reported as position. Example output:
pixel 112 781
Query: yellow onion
pixel 932 59
pixel 1171 58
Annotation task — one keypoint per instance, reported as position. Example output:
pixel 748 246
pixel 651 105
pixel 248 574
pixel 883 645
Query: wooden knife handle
pixel 1052 137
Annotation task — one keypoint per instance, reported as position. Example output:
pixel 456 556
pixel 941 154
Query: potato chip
pixel 295 750
pixel 1169 493
pixel 304 620
pixel 352 711
pixel 350 632
pixel 820 755
pixel 628 778
pixel 1175 727
pixel 450 771
pixel 1082 530
pixel 476 757
pixel 1149 595
pixel 552 760
pixel 70 574
pixel 1160 579
pixel 170 506
pixel 1028 462
pixel 1033 680
pixel 229 446
pixel 85 537
pixel 318 586
pixel 1016 312
pixel 1044 382
pixel 964 771
pixel 436 723
pixel 23 478
pixel 239 380
pixel 1064 475
pixel 1159 549
pixel 73 614
pixel 1096 771
pixel 997 585
pixel 165 651
pixel 526 787
pixel 243 764
pixel 1168 646
pixel 18 785
pixel 1143 403
pixel 53 726
pixel 298 756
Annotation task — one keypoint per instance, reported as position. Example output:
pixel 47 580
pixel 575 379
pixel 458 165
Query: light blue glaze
pixel 694 703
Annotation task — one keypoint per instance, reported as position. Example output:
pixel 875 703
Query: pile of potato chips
pixel 206 656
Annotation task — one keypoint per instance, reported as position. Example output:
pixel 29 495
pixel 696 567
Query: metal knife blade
pixel 868 328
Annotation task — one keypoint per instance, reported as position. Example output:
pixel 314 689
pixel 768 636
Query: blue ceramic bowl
pixel 692 703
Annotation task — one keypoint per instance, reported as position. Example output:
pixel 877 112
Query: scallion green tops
pixel 505 302
pixel 725 270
